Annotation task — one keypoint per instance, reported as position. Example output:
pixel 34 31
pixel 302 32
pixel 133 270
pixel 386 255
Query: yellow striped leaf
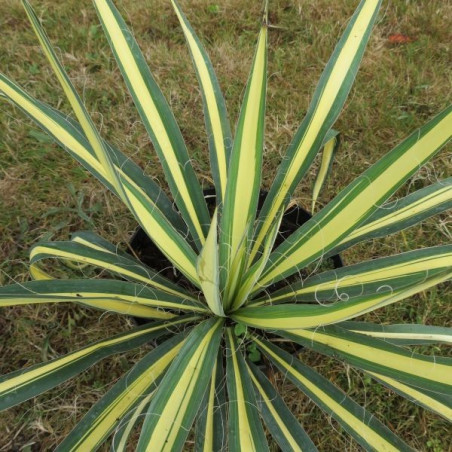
pixel 132 388
pixel 438 403
pixel 359 200
pixel 176 401
pixel 21 385
pixel 210 434
pixel 244 176
pixel 378 276
pixel 215 114
pixel 330 146
pixel 244 426
pixel 359 423
pixel 158 120
pixel 428 372
pixel 293 316
pixel 328 100
pixel 281 423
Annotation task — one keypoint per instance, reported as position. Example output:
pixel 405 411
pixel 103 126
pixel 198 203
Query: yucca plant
pixel 242 293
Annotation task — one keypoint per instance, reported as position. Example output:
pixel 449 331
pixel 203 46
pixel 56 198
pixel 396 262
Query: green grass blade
pixel 327 102
pixel 245 169
pixel 23 384
pixel 358 422
pixel 106 414
pixel 177 400
pixel 359 200
pixel 244 426
pixel 367 353
pixel 158 120
pixel 215 113
pixel 281 423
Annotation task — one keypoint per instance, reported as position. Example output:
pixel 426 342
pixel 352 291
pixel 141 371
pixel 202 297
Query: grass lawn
pixel 44 194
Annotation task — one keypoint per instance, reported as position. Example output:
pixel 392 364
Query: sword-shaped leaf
pixel 330 146
pixel 77 105
pixel 245 170
pixel 374 355
pixel 378 276
pixel 176 402
pixel 292 316
pixel 253 273
pixel 403 334
pixel 128 392
pixel 128 423
pixel 244 426
pixel 100 293
pixel 432 401
pixel 69 135
pixel 281 423
pixel 158 120
pixel 153 210
pixel 327 102
pixel 359 200
pixel 121 264
pixel 210 434
pixel 401 214
pixel 209 270
pixel 358 422
pixel 21 385
pixel 215 114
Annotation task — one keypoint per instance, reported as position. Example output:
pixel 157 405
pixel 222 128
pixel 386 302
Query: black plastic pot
pixel 150 255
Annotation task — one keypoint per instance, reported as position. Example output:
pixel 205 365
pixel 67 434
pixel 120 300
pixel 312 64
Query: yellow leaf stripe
pixel 248 167
pixel 171 417
pixel 124 429
pixel 277 418
pixel 53 253
pixel 378 275
pixel 103 298
pixel 327 156
pixel 208 269
pixel 444 338
pixel 245 429
pixel 208 432
pixel 79 109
